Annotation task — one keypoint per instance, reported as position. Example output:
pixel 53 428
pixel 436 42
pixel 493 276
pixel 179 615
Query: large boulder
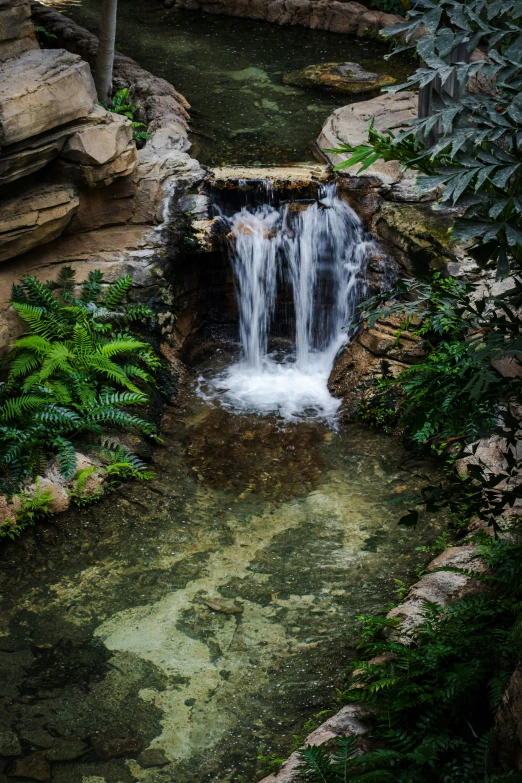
pixel 345 78
pixel 102 139
pixel 349 125
pixel 34 216
pixel 41 90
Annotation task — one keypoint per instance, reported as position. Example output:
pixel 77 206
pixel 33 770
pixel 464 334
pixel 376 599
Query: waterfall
pixel 318 250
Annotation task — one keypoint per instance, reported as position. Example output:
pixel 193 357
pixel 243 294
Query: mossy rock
pixel 345 78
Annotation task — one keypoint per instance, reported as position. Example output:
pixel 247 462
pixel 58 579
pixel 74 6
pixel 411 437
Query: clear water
pixel 231 72
pixel 319 250
pixel 103 624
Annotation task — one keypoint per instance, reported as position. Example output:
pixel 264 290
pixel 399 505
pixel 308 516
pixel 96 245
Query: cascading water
pixel 319 250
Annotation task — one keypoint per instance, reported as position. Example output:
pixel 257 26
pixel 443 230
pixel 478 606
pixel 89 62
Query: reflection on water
pixel 231 71
pixel 209 612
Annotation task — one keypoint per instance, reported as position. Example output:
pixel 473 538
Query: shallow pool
pixel 231 71
pixel 209 612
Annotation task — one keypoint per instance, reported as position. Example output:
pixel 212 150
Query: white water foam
pixel 319 251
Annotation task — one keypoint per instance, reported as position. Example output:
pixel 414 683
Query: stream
pixel 206 615
pixel 289 531
pixel 189 627
pixel 231 72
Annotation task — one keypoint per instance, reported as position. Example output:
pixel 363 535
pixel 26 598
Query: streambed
pixel 231 72
pixel 288 530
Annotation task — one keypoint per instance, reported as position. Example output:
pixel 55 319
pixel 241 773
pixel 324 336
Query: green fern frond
pixel 122 398
pixel 115 347
pixel 38 293
pixel 115 292
pixel 91 288
pixel 66 456
pixel 14 407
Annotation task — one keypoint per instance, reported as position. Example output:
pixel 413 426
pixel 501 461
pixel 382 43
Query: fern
pixel 115 292
pixel 91 288
pixel 72 372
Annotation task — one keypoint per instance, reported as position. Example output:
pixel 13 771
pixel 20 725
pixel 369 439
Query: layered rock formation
pixel 75 190
pixel 16 29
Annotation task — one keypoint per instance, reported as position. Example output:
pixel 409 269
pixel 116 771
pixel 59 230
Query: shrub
pixel 74 371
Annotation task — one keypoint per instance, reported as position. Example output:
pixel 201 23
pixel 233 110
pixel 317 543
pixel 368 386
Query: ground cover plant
pixel 78 369
pixel 435 697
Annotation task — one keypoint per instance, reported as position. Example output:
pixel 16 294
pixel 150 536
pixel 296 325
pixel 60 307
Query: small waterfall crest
pixel 318 252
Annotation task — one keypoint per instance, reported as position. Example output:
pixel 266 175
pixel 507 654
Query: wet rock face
pixel 375 351
pixel 344 78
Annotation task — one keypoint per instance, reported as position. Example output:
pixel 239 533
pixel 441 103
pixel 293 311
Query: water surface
pixel 288 530
pixel 231 71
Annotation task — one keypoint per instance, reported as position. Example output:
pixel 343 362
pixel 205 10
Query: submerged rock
pixel 346 78
pixel 225 607
pixel 35 767
pixel 9 744
pixel 152 757
pixel 107 749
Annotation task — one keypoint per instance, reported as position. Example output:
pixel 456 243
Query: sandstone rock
pixel 16 47
pixel 109 206
pixel 96 144
pixel 93 485
pixel 440 587
pixel 24 158
pixel 372 353
pixel 34 216
pixel 15 21
pixel 418 237
pixel 346 78
pixel 34 767
pixel 152 757
pixel 348 721
pixel 488 453
pixel 94 176
pixel 349 125
pixel 43 89
pixel 9 744
pixel 382 340
pixel 97 139
pixel 60 501
pixel 8 514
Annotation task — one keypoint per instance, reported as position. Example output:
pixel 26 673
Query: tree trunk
pixel 105 55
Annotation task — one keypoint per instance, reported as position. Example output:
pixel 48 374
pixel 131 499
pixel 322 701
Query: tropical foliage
pixel 74 372
pixel 470 150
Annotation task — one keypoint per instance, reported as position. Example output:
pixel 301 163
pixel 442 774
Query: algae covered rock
pixel 345 78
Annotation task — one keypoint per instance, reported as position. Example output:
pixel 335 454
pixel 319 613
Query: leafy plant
pixel 42 32
pixel 120 105
pixel 73 373
pixel 31 506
